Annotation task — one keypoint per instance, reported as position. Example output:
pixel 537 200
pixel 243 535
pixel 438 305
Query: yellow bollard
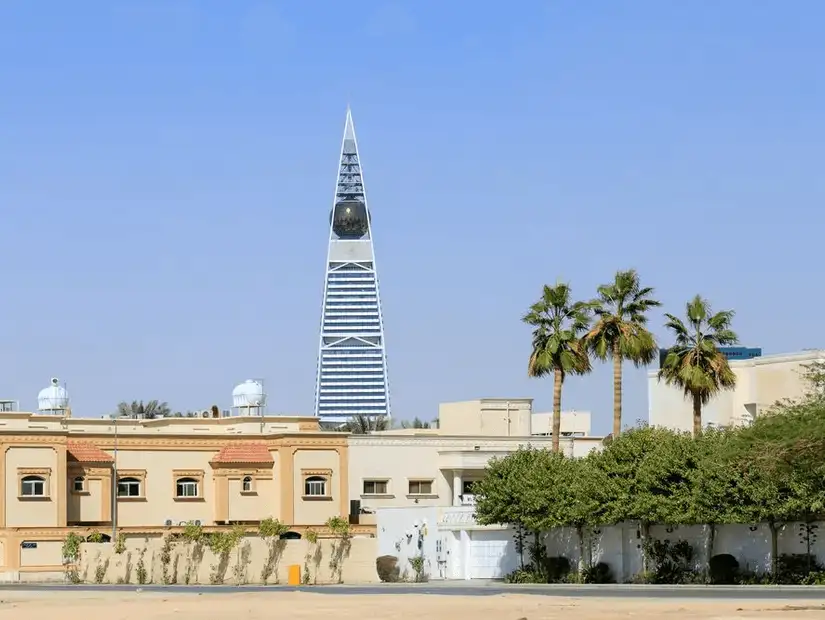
pixel 294 578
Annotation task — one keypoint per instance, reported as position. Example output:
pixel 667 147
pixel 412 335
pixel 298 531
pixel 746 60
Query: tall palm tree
pixel 558 347
pixel 137 409
pixel 620 331
pixel 695 364
pixel 364 425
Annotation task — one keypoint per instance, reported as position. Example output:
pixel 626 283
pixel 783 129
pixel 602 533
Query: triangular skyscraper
pixel 352 364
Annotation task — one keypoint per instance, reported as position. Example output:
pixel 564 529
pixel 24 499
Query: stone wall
pixel 253 561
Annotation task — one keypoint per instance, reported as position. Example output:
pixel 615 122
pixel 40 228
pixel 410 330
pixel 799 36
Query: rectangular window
pixel 376 487
pixel 421 487
pixel 128 487
pixel 33 486
pixel 315 486
pixel 187 487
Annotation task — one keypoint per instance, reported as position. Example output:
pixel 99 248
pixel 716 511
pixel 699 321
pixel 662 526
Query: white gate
pixel 492 554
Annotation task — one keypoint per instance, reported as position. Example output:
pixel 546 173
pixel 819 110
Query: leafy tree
pixel 558 348
pixel 138 409
pixel 814 374
pixel 536 490
pixel 780 459
pixel 505 495
pixel 415 423
pixel 714 482
pixel 620 331
pixel 695 364
pixel 644 475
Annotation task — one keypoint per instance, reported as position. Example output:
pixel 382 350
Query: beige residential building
pixel 56 475
pixel 141 477
pixel 760 383
pixel 437 467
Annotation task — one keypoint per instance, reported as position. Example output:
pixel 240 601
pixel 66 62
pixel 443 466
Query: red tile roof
pixel 244 453
pixel 86 452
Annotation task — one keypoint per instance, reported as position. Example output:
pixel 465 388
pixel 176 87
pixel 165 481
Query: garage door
pixel 492 555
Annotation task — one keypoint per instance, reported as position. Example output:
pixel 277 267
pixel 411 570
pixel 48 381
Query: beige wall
pixel 38 511
pixel 399 459
pixel 245 565
pixel 572 422
pixel 324 463
pixel 396 461
pixel 47 553
pixel 760 383
pixel 488 417
pixel 263 501
pixel 161 469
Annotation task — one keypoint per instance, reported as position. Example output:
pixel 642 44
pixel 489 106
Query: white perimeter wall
pixel 393 524
pixel 453 553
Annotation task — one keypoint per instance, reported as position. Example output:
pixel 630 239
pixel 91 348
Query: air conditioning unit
pixel 206 413
pixel 168 523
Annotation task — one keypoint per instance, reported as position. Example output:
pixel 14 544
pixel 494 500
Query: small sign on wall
pixel 28 545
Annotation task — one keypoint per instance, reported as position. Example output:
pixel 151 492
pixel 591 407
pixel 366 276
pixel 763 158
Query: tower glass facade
pixel 352 367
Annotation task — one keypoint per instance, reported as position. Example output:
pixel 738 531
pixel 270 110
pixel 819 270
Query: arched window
pixel 186 487
pixel 246 484
pixel 128 487
pixel 33 486
pixel 315 486
pixel 79 484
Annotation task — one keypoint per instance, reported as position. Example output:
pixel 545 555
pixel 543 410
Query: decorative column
pixel 457 487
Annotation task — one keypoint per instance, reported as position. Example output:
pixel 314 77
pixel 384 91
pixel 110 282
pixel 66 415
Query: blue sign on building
pixel 732 353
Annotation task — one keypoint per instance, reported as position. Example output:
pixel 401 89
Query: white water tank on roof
pixel 248 394
pixel 53 398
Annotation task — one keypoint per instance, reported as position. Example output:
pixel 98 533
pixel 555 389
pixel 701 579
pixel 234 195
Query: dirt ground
pixel 303 605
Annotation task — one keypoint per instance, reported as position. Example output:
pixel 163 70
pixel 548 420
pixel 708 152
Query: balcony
pixel 467 500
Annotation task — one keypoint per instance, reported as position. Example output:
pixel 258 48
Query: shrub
pixel 523 575
pixel 387 568
pixel 724 569
pixel 794 568
pixel 671 563
pixel 598 573
pixel 558 567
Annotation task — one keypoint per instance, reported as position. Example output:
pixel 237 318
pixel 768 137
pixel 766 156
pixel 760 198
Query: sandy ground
pixel 300 605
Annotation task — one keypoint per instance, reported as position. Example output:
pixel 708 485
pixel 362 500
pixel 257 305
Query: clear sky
pixel 167 170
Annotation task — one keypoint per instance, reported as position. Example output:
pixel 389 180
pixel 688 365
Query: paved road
pixel 477 589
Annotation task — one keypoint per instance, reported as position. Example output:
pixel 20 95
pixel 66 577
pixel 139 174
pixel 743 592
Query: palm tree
pixel 137 409
pixel 620 331
pixel 558 347
pixel 695 364
pixel 361 424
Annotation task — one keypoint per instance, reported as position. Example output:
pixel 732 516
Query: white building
pixel 760 383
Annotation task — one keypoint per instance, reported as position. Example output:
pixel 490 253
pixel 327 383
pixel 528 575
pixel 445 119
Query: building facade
pixel 144 478
pixel 761 381
pixel 352 365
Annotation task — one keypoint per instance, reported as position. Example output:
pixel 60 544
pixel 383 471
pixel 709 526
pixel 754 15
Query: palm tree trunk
pixel 697 415
pixel 558 378
pixel 617 390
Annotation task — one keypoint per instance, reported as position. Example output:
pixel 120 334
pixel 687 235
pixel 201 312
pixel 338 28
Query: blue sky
pixel 167 169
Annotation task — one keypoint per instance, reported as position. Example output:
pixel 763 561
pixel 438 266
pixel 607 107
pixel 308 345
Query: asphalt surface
pixel 453 588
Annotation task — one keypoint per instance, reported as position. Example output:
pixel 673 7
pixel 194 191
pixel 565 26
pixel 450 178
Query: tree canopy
pixel 770 472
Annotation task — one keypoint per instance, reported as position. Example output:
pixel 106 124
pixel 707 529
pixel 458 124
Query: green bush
pixel 598 573
pixel 558 568
pixel 670 563
pixel 724 569
pixel 524 575
pixel 794 568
